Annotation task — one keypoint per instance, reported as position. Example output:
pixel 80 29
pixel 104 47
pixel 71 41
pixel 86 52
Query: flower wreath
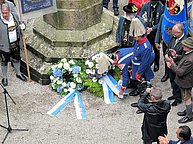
pixel 94 65
pixel 66 76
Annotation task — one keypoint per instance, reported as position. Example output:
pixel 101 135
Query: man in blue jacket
pixel 123 39
pixel 151 13
pixel 123 60
pixel 183 134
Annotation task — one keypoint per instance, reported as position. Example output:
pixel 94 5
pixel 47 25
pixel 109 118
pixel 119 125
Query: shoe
pixel 165 78
pixel 134 105
pixel 139 111
pixel 183 113
pixel 171 98
pixel 185 119
pixel 21 77
pixel 116 12
pixel 4 82
pixel 134 93
pixel 175 103
pixel 156 68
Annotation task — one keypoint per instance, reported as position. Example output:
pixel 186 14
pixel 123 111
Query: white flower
pixel 51 77
pixel 88 71
pixel 79 80
pixel 70 69
pixel 70 89
pixel 64 84
pixel 94 79
pixel 59 82
pixel 64 60
pixel 93 71
pixel 90 64
pixel 60 65
pixel 65 90
pixel 93 58
pixel 54 67
pixel 66 66
pixel 87 62
pixel 53 85
pixel 73 85
pixel 97 66
pixel 71 62
pixel 100 81
pixel 75 75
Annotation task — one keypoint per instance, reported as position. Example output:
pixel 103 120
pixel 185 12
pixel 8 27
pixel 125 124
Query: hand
pixel 121 93
pixel 173 52
pixel 158 47
pixel 120 82
pixel 148 90
pixel 168 59
pixel 148 30
pixel 22 26
pixel 163 140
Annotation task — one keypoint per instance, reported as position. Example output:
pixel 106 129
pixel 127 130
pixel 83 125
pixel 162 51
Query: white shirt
pixel 11 28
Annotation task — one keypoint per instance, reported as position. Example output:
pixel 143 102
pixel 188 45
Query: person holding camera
pixel 183 134
pixel 184 76
pixel 155 115
pixel 175 50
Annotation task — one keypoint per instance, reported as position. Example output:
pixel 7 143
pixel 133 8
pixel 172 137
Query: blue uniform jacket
pixel 186 142
pixel 142 59
pixel 146 14
pixel 120 28
pixel 125 56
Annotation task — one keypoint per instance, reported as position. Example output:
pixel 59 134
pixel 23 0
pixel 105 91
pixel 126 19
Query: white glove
pixel 22 26
pixel 120 82
pixel 120 96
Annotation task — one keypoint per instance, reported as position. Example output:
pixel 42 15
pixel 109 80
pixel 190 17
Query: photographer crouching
pixel 155 115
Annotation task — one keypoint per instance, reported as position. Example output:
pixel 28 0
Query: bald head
pixel 178 30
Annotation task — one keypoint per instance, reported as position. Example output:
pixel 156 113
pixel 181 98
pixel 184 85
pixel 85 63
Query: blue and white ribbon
pixel 79 106
pixel 110 86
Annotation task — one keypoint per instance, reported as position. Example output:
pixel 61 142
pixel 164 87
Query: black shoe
pixel 171 98
pixel 116 12
pixel 185 119
pixel 175 103
pixel 4 82
pixel 134 93
pixel 183 113
pixel 165 78
pixel 134 104
pixel 139 111
pixel 156 68
pixel 21 77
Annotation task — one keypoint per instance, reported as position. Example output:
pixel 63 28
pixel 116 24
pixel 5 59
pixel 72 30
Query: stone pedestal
pixel 77 30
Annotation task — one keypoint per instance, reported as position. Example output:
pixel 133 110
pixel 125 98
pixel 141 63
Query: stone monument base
pixel 46 45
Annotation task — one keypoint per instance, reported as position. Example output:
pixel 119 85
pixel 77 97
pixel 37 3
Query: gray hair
pixel 156 92
pixel 5 6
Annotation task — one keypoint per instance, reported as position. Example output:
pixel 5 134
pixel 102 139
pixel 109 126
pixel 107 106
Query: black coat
pixel 155 118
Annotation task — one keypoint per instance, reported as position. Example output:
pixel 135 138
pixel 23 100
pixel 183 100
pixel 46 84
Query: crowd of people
pixel 139 39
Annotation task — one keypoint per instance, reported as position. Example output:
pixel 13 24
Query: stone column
pixel 75 14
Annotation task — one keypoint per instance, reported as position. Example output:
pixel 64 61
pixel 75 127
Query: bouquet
pixel 66 76
pixel 97 66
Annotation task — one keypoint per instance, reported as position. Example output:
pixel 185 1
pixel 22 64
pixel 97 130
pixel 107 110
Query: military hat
pixel 188 42
pixel 130 8
pixel 136 28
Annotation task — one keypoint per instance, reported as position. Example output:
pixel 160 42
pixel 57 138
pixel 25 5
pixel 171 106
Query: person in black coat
pixel 155 115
